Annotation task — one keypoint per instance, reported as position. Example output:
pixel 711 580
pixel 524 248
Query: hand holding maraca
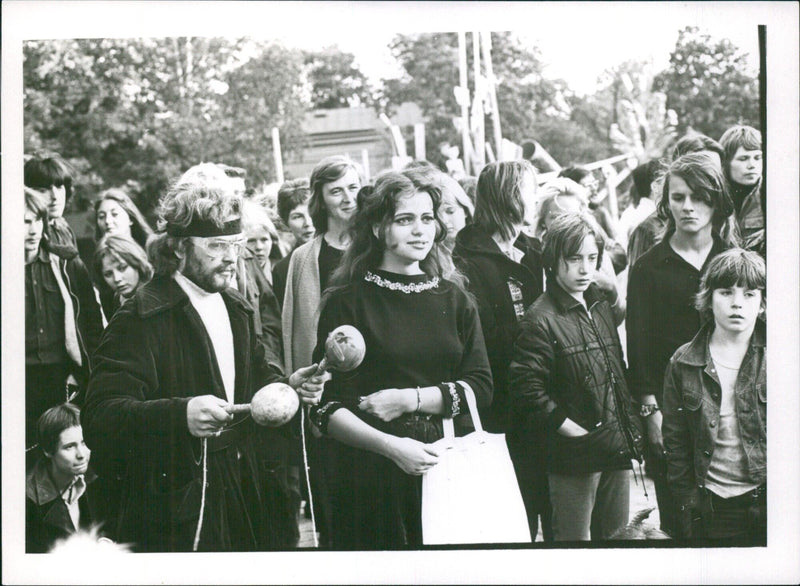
pixel 276 403
pixel 309 384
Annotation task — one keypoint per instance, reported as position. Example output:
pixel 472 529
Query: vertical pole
pixel 276 153
pixel 419 141
pixel 365 164
pixel 462 73
pixel 487 57
pixel 477 104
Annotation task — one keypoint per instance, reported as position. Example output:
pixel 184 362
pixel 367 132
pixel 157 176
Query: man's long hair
pixel 203 192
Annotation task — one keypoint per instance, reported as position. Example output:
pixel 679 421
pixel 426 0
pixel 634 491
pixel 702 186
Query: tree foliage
pixel 144 110
pixel 707 83
pixel 138 112
pixel 530 105
pixel 335 80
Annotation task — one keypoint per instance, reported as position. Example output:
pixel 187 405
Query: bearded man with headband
pixel 170 362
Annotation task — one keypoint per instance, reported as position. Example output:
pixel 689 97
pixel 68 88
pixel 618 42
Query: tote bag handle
pixel 447 423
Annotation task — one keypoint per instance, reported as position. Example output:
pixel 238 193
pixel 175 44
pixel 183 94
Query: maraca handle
pixel 323 366
pixel 236 409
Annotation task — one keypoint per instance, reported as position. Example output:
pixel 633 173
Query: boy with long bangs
pixel 715 403
pixel 567 375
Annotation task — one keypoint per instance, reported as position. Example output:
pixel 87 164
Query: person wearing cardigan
pixel 335 183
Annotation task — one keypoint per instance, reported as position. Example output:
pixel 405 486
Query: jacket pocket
pixel 692 400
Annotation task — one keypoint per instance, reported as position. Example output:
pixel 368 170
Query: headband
pixel 206 228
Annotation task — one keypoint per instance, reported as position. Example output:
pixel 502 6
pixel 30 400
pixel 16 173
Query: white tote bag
pixel 471 495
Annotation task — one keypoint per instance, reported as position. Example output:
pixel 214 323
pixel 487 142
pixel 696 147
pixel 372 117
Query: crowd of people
pixel 502 286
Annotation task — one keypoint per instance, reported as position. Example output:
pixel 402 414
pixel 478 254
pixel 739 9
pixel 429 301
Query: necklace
pixel 407 288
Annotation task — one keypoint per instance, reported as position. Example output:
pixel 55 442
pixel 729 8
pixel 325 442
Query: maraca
pixel 276 403
pixel 344 350
pixel 272 406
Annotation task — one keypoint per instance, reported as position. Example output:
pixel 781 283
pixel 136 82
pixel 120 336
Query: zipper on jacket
pixel 84 351
pixel 622 415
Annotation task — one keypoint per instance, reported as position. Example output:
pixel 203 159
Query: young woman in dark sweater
pixel 661 288
pixel 424 346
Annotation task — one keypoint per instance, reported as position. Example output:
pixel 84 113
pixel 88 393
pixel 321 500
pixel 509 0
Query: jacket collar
pixel 39 486
pixel 42 256
pixel 663 251
pixel 163 293
pixel 567 302
pixel 473 240
pixel 697 353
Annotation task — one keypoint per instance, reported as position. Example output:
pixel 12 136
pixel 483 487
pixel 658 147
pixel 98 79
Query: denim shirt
pixel 692 395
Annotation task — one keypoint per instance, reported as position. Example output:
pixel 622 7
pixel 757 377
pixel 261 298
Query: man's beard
pixel 212 282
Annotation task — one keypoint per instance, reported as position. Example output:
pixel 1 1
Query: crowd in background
pixel 501 286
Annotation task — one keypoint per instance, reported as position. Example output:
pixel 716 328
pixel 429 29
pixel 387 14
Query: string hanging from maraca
pixel 275 404
pixel 344 351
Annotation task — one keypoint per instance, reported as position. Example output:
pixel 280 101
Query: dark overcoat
pixel 155 356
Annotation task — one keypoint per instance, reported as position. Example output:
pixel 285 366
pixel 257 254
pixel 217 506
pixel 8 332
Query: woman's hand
pixel 411 456
pixel 389 404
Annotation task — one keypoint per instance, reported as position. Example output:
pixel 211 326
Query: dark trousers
pixel 656 466
pixel 741 519
pixel 530 467
pixel 45 387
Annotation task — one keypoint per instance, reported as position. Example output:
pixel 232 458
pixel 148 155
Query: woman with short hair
pixel 743 167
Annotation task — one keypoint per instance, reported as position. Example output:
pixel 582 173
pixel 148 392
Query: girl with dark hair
pixel 661 286
pixel 115 213
pixel 504 270
pixel 424 346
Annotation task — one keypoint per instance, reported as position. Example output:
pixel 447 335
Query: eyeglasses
pixel 219 248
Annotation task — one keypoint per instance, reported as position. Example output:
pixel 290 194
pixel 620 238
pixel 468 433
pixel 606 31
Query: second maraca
pixel 276 403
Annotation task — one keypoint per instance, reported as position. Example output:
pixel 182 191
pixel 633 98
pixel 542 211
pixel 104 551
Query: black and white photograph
pixel 387 292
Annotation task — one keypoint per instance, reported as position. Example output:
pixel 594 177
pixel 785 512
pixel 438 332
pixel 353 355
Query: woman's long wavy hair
pixel 376 207
pixel 140 229
pixel 703 175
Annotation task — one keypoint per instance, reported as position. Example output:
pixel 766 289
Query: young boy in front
pixel 567 375
pixel 715 408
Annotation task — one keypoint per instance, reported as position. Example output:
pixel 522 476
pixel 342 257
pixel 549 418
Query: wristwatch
pixel 648 410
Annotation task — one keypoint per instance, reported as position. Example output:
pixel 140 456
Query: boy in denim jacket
pixel 715 403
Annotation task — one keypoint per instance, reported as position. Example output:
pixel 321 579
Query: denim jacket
pixel 692 395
